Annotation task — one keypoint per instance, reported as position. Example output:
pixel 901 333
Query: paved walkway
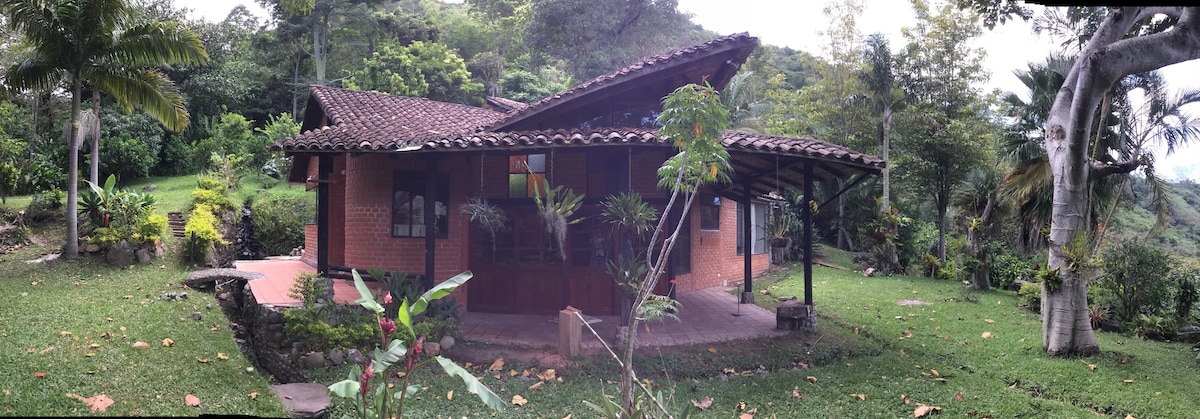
pixel 709 315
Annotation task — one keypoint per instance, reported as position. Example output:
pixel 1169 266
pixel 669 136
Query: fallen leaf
pixel 141 345
pixel 728 370
pixel 904 399
pixel 1014 385
pixel 39 374
pixel 905 334
pixel 958 396
pixel 64 333
pixel 568 416
pixel 498 365
pixel 192 401
pixel 517 400
pixel 222 356
pixel 98 402
pixel 796 393
pixel 497 376
pixel 1129 417
pixel 94 345
pixel 741 406
pixel 987 335
pixel 127 297
pixel 1127 381
pixel 537 385
pixel 548 375
pixel 924 410
pixel 746 416
pixel 122 328
pixel 168 342
pixel 1091 367
pixel 704 403
pixel 43 351
pixel 989 321
pixel 253 395
pixel 450 395
pixel 512 373
pixel 934 372
pixel 712 350
pixel 811 379
pixel 858 396
pixel 203 360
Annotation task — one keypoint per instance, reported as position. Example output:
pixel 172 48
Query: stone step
pixel 303 400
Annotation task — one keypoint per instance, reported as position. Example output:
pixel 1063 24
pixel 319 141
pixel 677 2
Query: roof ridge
pixel 618 75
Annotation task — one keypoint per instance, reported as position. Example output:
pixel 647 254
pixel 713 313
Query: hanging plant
pixel 485 215
pixel 628 212
pixel 556 209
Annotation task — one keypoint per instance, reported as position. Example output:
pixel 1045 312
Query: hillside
pixel 1135 217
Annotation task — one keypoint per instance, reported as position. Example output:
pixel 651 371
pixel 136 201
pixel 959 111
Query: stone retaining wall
pixel 262 328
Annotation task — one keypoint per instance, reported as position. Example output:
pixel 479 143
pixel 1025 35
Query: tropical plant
pixel 485 215
pixel 556 208
pixel 385 402
pixel 97 42
pixel 1136 275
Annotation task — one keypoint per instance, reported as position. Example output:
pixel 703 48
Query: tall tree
pixel 944 131
pixel 886 97
pixel 94 41
pixel 1129 40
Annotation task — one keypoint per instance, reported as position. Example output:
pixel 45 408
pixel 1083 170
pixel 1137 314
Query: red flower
pixel 364 380
pixel 672 282
pixel 387 298
pixel 387 326
pixel 415 352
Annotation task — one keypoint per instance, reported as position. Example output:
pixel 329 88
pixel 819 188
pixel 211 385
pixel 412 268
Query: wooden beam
pixel 324 168
pixel 747 249
pixel 806 219
pixel 431 187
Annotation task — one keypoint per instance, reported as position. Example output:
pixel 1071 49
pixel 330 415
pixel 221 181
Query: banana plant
pixel 379 400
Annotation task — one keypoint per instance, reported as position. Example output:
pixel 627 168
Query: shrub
pixel 308 326
pixel 1030 296
pixel 151 229
pixel 1155 327
pixel 216 201
pixel 308 288
pixel 279 222
pixel 105 237
pixel 210 183
pixel 434 329
pixel 201 231
pixel 1006 267
pixel 45 206
pixel 1186 293
pixel 1135 273
pixel 127 157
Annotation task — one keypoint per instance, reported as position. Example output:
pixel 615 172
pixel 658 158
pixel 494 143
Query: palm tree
pixel 886 97
pixel 96 41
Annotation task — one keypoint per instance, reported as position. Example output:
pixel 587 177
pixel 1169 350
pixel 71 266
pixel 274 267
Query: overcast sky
pixel 796 24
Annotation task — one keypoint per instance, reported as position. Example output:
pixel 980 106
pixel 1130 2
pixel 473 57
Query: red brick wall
pixel 337 212
pixel 310 244
pixel 714 253
pixel 368 206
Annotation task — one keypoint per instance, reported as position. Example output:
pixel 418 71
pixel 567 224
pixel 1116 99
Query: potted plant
pixel 778 226
pixel 630 218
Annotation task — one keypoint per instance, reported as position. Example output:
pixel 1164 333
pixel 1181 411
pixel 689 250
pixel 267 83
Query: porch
pixel 707 315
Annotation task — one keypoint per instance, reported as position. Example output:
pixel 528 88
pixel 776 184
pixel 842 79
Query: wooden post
pixel 570 332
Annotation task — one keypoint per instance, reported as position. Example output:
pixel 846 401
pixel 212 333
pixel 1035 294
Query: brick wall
pixel 714 253
pixel 368 206
pixel 310 244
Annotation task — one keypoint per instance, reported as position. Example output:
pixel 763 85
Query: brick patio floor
pixel 706 315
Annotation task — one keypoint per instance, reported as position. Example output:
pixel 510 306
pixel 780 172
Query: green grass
pixel 52 314
pixel 863 350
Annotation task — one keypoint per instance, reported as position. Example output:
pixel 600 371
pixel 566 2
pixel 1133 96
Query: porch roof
pixel 756 158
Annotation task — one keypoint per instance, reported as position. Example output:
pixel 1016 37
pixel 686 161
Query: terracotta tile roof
pixel 630 72
pixel 507 104
pixel 733 141
pixel 375 121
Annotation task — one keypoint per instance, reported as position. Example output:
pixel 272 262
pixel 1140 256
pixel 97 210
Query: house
pixel 391 172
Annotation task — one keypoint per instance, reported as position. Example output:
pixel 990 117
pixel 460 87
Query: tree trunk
pixel 941 215
pixel 296 88
pixel 95 157
pixel 320 45
pixel 71 247
pixel 887 139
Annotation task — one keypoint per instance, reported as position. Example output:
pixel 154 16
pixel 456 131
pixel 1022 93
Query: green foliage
pixel 279 222
pixel 484 215
pixel 151 229
pixel 434 329
pixel 309 326
pixel 528 87
pixel 211 183
pixel 105 237
pixel 384 402
pixel 40 174
pixel 1030 296
pixel 201 231
pixel 556 206
pixel 1136 274
pixel 126 157
pixel 45 206
pixel 627 212
pixel 627 272
pixel 228 168
pixel 693 119
pixel 1186 293
pixel 278 128
pixel 308 288
pixel 420 69
pixel 215 201
pixel 1006 267
pixel 123 211
pixel 1155 327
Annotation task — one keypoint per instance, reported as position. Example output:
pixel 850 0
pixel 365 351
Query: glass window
pixel 525 172
pixel 758 234
pixel 710 212
pixel 408 206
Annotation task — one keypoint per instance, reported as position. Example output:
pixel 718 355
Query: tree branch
pixel 1101 169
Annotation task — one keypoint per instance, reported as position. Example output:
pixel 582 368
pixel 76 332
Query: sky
pixel 796 24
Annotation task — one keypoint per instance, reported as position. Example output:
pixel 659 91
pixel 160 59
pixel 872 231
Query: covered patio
pixel 707 315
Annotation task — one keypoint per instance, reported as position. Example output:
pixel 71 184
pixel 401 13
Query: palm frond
pixel 148 90
pixel 158 44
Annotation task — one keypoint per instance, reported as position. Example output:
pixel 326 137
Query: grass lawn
pixel 69 327
pixel 971 359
